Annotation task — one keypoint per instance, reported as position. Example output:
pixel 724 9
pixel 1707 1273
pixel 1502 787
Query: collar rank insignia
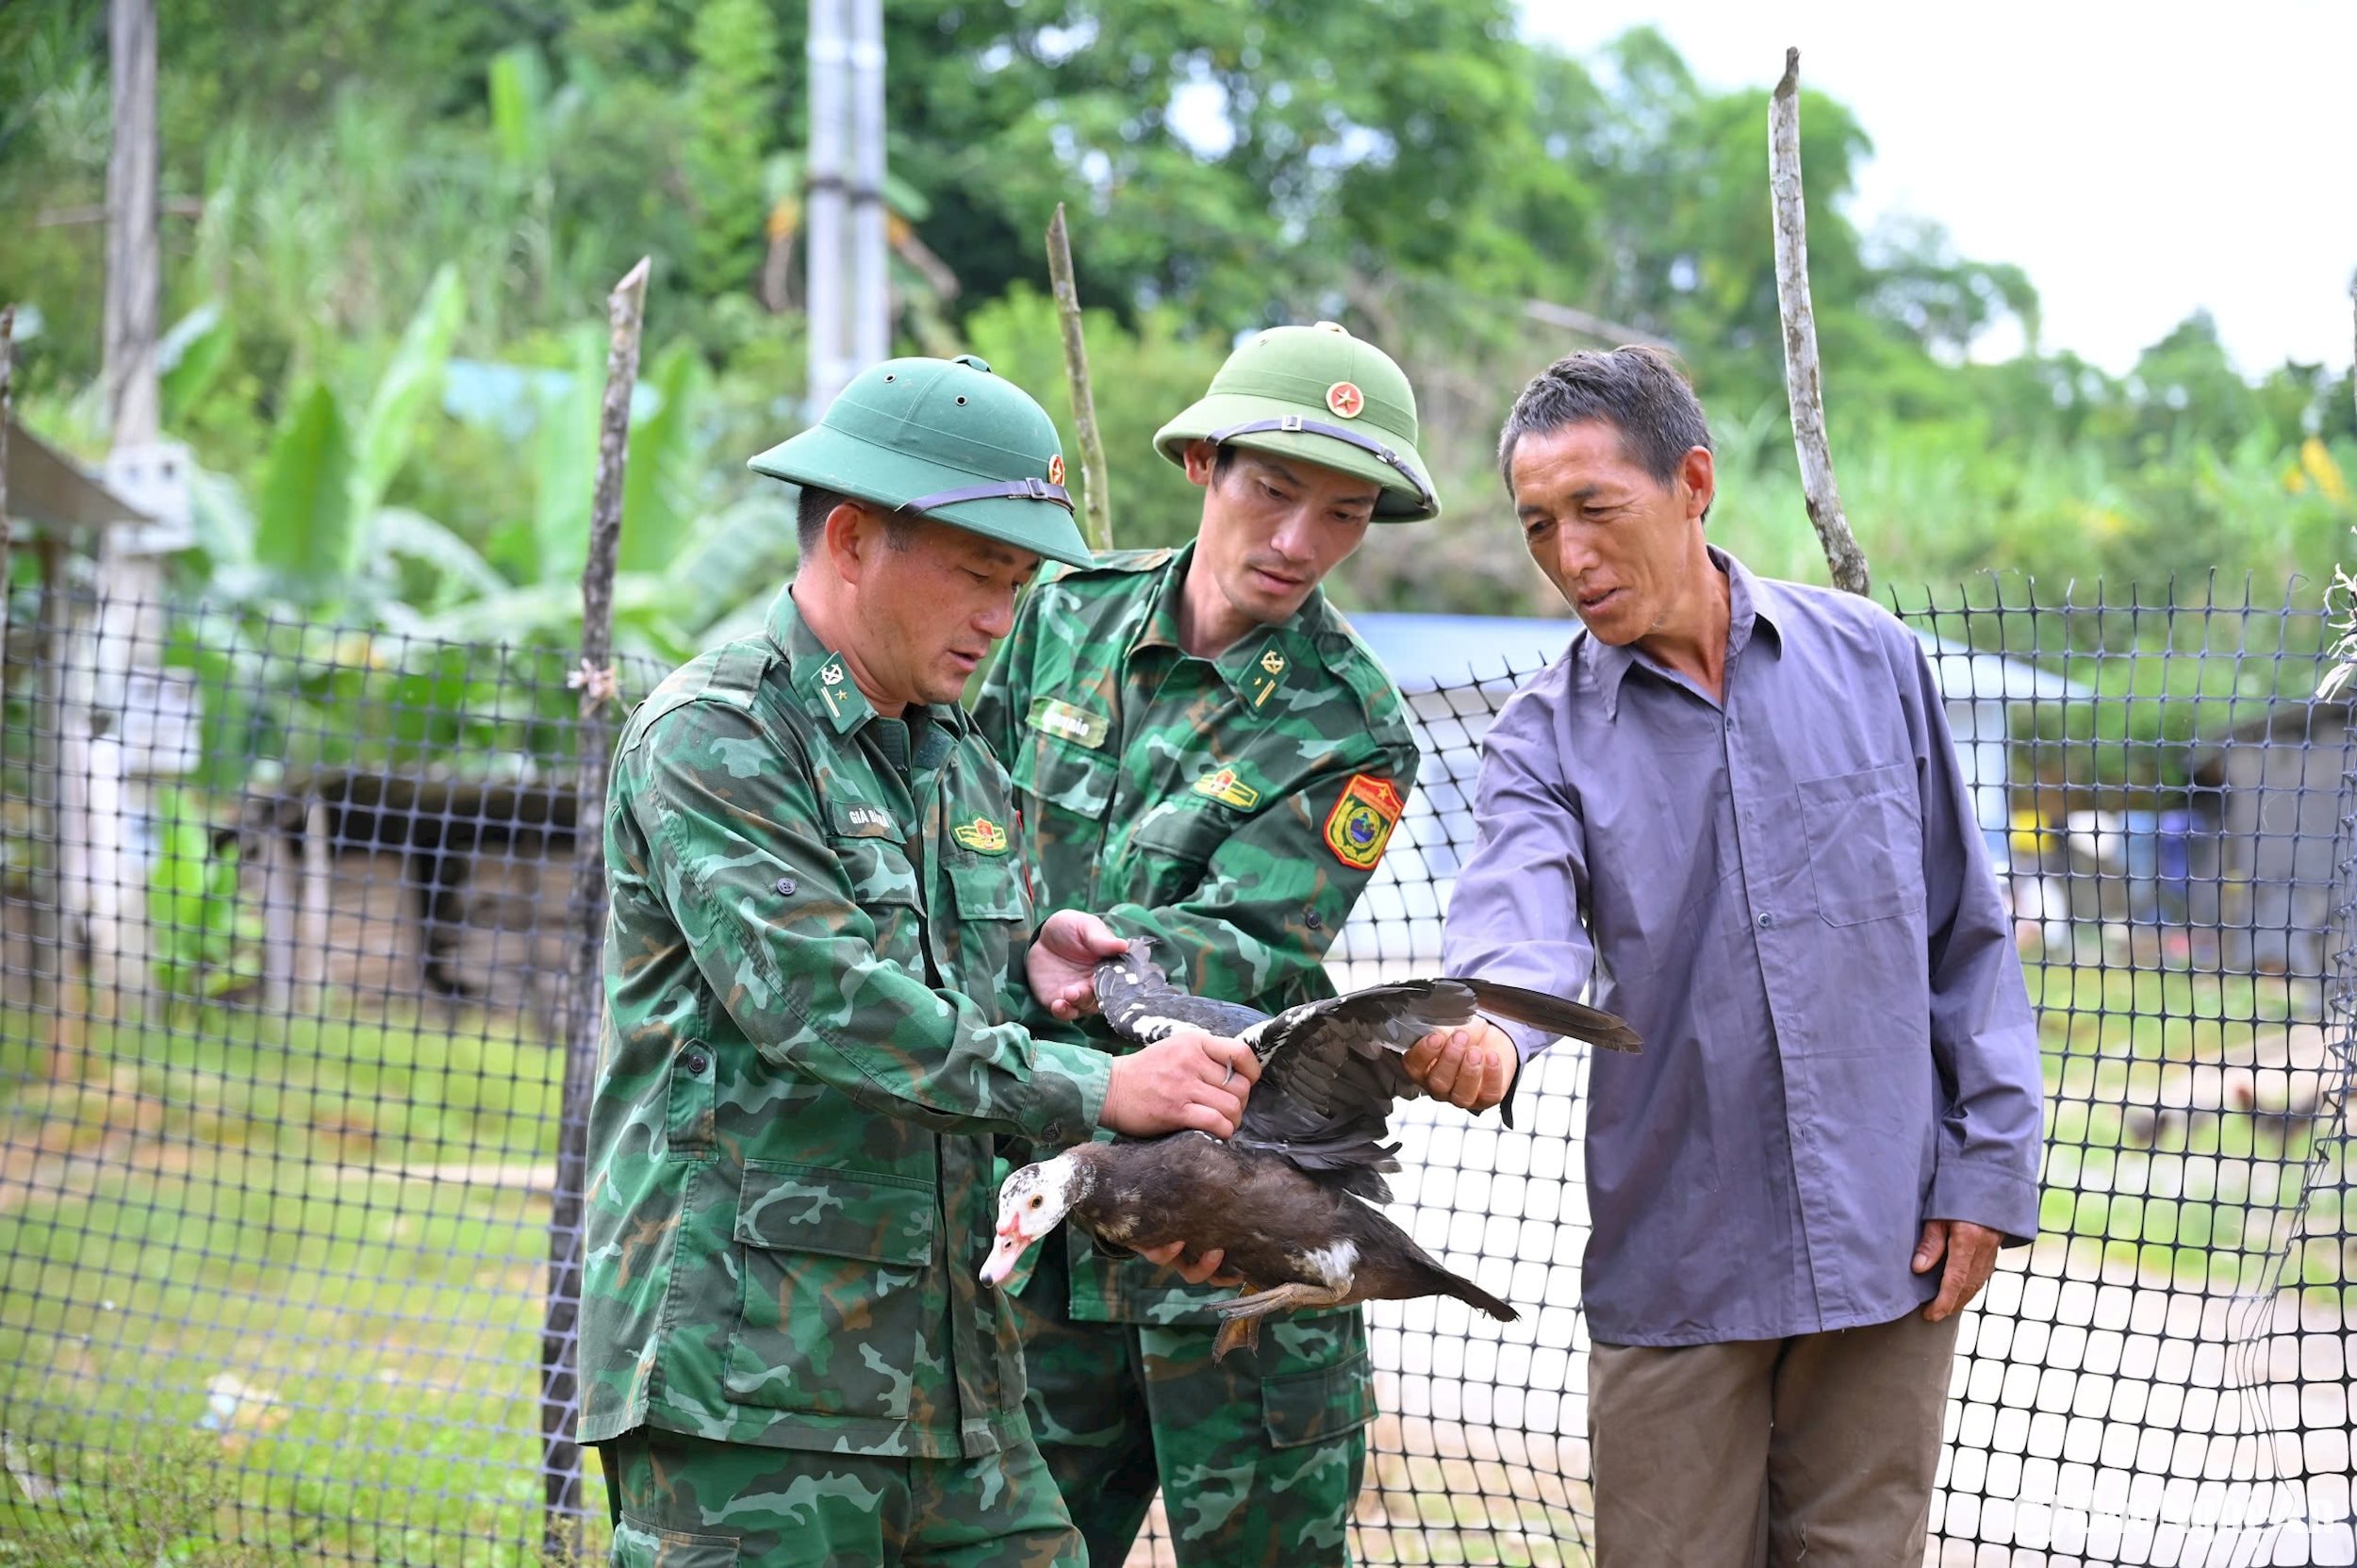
pixel 1224 787
pixel 1272 675
pixel 981 835
pixel 1361 821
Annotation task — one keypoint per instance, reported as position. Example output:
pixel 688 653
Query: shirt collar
pixel 1750 606
pixel 1256 664
pixel 822 677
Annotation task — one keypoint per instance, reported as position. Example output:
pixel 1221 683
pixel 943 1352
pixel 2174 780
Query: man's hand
pixel 1971 1251
pixel 1062 964
pixel 1470 1067
pixel 1194 1271
pixel 1188 1081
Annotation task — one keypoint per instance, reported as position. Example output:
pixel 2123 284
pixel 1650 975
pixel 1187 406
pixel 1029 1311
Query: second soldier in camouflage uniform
pixel 1204 753
pixel 820 919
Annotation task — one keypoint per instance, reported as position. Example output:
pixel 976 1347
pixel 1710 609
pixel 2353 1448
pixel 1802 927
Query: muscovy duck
pixel 1290 1200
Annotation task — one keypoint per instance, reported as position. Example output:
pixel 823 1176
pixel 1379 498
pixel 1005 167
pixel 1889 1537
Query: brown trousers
pixel 1817 1450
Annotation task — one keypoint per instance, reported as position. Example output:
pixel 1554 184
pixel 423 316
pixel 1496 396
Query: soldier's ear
pixel 852 536
pixel 1202 462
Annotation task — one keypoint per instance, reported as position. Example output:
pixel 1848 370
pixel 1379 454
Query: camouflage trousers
pixel 1259 1457
pixel 687 1502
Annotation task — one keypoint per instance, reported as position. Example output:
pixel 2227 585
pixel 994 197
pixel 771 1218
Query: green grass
pixel 227 1197
pixel 316 1208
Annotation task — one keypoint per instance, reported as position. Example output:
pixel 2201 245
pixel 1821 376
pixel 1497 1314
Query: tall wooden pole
pixel 7 370
pixel 1801 382
pixel 580 1015
pixel 1095 493
pixel 128 369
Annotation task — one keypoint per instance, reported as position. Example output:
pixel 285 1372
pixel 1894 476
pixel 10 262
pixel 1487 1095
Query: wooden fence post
pixel 1096 494
pixel 584 987
pixel 1802 382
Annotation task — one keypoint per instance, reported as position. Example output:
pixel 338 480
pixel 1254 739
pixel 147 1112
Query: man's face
pixel 1618 546
pixel 929 610
pixel 1273 528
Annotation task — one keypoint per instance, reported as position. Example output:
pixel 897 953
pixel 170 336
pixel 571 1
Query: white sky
pixel 2137 160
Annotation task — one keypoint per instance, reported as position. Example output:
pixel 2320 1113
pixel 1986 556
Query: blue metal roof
pixel 1424 650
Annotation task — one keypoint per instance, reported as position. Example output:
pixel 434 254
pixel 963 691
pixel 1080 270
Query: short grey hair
pixel 1636 391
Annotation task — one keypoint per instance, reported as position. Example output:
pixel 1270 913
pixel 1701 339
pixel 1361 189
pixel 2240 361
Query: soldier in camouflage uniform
pixel 820 915
pixel 1204 752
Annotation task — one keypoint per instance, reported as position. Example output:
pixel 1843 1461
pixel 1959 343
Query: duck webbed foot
pixel 1240 1319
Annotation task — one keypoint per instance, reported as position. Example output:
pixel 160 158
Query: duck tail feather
pixel 1552 1013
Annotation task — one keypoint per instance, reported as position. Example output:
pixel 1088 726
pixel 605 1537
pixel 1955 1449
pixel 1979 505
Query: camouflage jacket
pixel 817 917
pixel 1232 809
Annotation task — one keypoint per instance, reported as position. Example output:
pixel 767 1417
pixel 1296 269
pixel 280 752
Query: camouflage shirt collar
pixel 822 678
pixel 1253 663
pixel 1750 608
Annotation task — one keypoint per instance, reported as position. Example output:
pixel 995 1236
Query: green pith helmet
pixel 944 438
pixel 1325 397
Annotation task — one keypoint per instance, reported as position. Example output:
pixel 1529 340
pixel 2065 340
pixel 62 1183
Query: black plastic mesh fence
pixel 282 945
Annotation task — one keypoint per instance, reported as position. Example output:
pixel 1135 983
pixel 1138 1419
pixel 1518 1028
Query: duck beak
pixel 1004 1256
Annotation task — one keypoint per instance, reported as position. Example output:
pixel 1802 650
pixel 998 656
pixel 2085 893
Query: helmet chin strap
pixel 1295 424
pixel 1016 489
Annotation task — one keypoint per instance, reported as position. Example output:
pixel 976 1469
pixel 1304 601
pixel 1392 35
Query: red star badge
pixel 1055 469
pixel 1346 399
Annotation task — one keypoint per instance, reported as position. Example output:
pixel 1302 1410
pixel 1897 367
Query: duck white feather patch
pixel 1333 1264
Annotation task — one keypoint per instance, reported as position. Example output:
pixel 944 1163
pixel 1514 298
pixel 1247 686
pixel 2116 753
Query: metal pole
pixel 872 302
pixel 830 67
pixel 584 990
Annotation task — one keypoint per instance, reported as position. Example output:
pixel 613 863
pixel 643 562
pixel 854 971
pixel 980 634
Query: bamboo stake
pixel 1801 382
pixel 561 1464
pixel 1095 495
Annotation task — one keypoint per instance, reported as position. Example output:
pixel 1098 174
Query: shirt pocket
pixel 884 884
pixel 993 913
pixel 1865 844
pixel 1064 775
pixel 838 1290
pixel 1173 844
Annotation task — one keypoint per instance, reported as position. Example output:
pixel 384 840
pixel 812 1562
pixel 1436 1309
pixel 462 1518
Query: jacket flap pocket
pixel 1063 774
pixel 883 1220
pixel 989 890
pixel 1186 826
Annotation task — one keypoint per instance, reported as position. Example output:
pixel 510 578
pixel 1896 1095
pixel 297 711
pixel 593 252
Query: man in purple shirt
pixel 1733 803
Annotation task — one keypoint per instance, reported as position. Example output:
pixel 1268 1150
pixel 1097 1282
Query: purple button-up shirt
pixel 1788 896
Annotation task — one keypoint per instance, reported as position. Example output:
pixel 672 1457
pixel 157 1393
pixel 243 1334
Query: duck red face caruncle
pixel 1033 1201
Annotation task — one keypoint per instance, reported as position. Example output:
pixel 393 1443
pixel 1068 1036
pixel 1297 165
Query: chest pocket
pixel 882 882
pixel 994 913
pixel 1174 840
pixel 1066 775
pixel 1865 844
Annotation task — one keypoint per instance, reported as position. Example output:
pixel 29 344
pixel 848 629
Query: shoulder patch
pixel 1361 821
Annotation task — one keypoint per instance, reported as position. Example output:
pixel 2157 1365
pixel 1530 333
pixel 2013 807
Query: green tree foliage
pixel 393 223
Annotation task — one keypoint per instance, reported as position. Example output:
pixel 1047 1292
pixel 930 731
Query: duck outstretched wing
pixel 1333 1067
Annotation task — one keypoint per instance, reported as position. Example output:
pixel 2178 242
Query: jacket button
pixel 696 1063
pixel 1052 1132
pixel 1312 921
pixel 785 887
pixel 1766 919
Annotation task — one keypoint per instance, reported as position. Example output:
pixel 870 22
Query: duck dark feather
pixel 1331 1069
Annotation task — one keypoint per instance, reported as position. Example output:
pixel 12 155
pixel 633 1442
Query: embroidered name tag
pixel 1067 722
pixel 1229 789
pixel 858 820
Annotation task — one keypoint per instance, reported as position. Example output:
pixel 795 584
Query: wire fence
pixel 283 949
